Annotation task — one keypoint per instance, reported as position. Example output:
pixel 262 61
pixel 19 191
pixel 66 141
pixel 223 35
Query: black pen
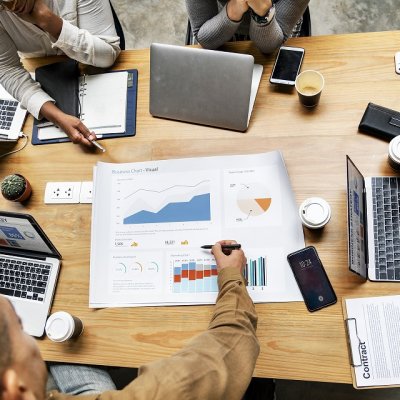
pixel 235 246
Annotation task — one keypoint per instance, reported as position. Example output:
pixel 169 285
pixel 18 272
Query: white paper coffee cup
pixel 314 212
pixel 394 153
pixel 309 85
pixel 62 326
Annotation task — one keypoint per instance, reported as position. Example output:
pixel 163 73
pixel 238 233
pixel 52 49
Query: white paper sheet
pixel 373 326
pixel 150 219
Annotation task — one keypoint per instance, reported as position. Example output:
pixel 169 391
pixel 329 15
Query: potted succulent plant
pixel 16 188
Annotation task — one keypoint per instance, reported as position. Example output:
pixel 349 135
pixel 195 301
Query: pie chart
pixel 253 199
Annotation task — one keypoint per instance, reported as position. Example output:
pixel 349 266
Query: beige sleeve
pixel 217 364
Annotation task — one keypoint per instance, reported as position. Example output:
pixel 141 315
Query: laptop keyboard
pixel 23 278
pixel 386 200
pixel 7 112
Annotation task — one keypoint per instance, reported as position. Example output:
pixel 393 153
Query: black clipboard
pixel 130 123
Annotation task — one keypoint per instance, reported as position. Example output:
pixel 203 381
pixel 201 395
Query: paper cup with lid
pixel 315 212
pixel 394 153
pixel 62 326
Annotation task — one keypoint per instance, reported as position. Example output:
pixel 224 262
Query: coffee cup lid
pixel 394 149
pixel 59 326
pixel 315 212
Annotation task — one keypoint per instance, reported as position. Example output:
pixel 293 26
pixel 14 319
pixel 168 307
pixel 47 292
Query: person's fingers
pixel 86 132
pixel 217 252
pixel 239 259
pixel 86 135
pixel 227 242
pixel 92 136
pixel 86 142
pixel 75 136
pixel 226 251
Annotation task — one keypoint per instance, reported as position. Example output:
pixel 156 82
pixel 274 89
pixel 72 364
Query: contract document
pixel 149 220
pixel 373 328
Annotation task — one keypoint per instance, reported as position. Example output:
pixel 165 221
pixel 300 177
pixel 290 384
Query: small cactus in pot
pixel 16 188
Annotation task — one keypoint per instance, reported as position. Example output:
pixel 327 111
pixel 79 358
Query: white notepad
pixel 103 100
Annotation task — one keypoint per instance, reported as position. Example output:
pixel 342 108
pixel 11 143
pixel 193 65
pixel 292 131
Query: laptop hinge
pixel 365 228
pixel 22 253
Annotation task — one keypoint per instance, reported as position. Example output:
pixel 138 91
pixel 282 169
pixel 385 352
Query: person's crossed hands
pixel 236 8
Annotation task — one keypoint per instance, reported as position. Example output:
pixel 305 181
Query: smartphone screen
pixel 312 279
pixel 287 65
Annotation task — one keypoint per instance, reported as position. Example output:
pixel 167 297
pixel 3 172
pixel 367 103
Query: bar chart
pixel 256 272
pixel 197 276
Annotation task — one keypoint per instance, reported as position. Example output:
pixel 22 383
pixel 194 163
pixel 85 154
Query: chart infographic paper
pixel 150 219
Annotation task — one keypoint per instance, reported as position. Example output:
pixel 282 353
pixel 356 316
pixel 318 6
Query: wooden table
pixel 295 344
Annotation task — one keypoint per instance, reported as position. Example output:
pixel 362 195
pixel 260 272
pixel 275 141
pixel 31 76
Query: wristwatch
pixel 267 18
pixel 2 6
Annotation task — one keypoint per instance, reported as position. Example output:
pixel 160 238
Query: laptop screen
pixel 356 220
pixel 20 232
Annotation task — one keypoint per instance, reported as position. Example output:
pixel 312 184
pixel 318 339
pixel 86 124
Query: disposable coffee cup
pixel 62 326
pixel 309 85
pixel 394 153
pixel 315 213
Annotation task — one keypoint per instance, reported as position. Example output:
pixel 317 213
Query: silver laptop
pixel 203 86
pixel 373 206
pixel 12 117
pixel 29 265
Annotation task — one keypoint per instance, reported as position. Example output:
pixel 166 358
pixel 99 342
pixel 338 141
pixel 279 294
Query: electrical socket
pixel 86 195
pixel 62 192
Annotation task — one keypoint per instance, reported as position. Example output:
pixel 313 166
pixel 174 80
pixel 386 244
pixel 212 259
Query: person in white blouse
pixel 83 30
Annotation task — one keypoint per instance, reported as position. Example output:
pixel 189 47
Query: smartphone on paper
pixel 312 279
pixel 287 65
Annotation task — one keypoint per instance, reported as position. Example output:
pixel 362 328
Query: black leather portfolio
pixel 380 122
pixel 62 81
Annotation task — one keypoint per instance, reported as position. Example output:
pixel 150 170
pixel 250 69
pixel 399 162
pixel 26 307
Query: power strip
pixel 68 193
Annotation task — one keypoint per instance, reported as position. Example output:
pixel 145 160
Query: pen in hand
pixel 98 145
pixel 235 246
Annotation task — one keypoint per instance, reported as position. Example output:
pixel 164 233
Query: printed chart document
pixel 149 220
pixel 373 327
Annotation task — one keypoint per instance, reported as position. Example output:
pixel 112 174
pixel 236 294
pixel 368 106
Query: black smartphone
pixel 287 65
pixel 312 279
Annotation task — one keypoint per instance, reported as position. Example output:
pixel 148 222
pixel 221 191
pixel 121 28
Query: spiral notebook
pixel 106 103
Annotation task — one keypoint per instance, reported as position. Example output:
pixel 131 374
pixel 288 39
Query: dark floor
pixel 288 390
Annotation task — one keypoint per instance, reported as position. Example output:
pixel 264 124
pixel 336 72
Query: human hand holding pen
pixel 76 130
pixel 236 258
pixel 71 125
pixel 98 145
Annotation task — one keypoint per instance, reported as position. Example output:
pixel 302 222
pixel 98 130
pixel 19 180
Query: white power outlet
pixel 62 192
pixel 86 195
